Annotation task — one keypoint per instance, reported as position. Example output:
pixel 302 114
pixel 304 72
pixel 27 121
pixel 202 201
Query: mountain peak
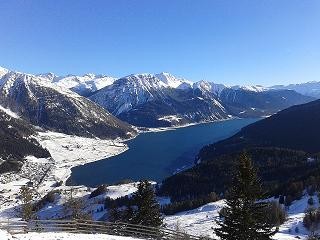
pixel 252 88
pixel 140 75
pixel 169 79
pixel 209 86
pixel 49 76
pixel 3 71
pixel 90 75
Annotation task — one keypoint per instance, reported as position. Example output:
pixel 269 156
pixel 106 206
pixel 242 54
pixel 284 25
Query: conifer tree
pixel 27 195
pixel 148 209
pixel 244 217
pixel 128 213
pixel 114 213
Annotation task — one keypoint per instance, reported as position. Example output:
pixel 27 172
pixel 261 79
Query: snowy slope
pixel 202 221
pixel 160 100
pixel 209 88
pixel 128 92
pixel 9 112
pixel 171 81
pixel 60 236
pixel 48 105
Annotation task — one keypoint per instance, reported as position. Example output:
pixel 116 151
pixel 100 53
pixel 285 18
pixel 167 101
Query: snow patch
pixel 170 118
pixel 9 112
pixel 202 221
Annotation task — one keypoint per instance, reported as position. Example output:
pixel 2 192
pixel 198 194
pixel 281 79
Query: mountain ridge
pixel 17 141
pixel 163 100
pixel 57 108
pixel 145 100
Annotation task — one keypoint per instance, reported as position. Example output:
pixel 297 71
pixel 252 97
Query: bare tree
pixel 75 207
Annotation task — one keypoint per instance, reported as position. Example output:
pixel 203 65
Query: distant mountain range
pixel 311 89
pixel 144 100
pixel 162 100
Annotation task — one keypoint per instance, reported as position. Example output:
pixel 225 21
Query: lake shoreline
pixel 172 128
pixel 165 150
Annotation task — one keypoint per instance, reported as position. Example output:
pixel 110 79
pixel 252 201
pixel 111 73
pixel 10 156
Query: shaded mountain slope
pixel 17 142
pixel 46 105
pixel 284 147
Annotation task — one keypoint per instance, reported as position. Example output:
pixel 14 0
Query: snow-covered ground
pixel 171 118
pixel 94 206
pixel 67 151
pixel 60 236
pixel 202 221
pixel 198 221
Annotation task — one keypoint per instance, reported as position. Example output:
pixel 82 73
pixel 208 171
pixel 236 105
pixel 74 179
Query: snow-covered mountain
pixel 151 100
pixel 254 88
pixel 209 88
pixel 159 100
pixel 309 88
pixel 45 104
pixel 162 100
pixel 84 85
pixel 245 102
pixel 171 81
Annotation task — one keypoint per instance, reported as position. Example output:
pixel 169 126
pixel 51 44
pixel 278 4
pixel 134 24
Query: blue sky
pixel 234 42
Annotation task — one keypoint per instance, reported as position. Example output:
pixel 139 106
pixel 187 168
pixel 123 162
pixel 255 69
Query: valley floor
pixel 45 174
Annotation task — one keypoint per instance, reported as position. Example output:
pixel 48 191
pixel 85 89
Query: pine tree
pixel 27 195
pixel 148 209
pixel 114 213
pixel 244 218
pixel 128 213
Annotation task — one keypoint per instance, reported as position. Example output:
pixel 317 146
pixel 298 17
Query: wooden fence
pixel 92 227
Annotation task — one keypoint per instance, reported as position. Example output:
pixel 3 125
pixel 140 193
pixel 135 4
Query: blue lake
pixel 156 155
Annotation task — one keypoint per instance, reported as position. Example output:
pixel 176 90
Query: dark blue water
pixel 156 155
